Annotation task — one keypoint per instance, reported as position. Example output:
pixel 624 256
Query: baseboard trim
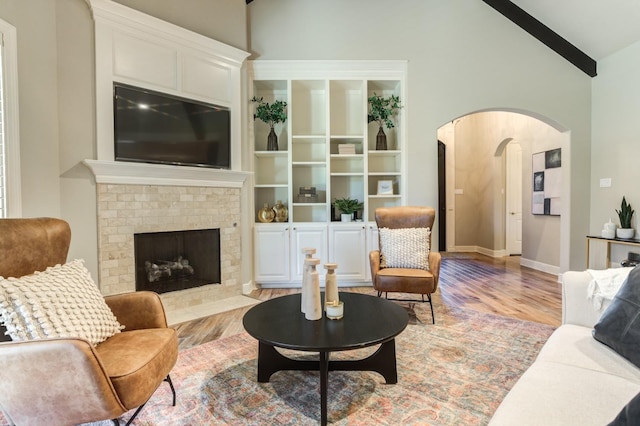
pixel 481 250
pixel 298 284
pixel 539 266
pixel 533 264
pixel 248 287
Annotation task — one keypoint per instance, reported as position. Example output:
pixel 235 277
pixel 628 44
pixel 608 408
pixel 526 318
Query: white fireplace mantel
pixel 125 173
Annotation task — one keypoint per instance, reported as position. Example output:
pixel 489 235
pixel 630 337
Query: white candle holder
pixel 335 310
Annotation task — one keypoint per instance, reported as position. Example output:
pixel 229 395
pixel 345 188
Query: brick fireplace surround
pixel 166 198
pixel 124 210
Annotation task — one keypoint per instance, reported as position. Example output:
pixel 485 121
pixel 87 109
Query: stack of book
pixel 346 148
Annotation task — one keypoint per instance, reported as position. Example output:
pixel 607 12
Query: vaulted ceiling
pixel 583 31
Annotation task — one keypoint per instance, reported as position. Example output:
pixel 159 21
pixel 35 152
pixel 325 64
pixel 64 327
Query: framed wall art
pixel 385 187
pixel 547 182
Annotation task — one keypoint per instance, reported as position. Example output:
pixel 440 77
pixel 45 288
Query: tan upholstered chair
pixel 65 381
pixel 403 280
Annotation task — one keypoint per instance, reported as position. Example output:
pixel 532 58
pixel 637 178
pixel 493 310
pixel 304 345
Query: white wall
pixel 463 57
pixel 616 140
pixel 38 103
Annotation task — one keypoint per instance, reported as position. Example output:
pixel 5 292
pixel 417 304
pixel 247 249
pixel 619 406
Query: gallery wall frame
pixel 547 182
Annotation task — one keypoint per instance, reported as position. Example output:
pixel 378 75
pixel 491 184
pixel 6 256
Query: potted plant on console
pixel 270 114
pixel 624 214
pixel 381 110
pixel 348 206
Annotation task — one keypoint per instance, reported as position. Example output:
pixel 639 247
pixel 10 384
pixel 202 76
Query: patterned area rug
pixel 454 372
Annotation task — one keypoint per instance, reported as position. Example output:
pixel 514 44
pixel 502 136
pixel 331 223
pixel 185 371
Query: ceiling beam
pixel 544 34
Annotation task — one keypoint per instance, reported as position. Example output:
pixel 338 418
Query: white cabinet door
pixel 347 245
pixel 271 252
pixel 372 244
pixel 305 235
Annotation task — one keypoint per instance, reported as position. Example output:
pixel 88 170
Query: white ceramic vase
pixel 308 254
pixel 346 217
pixel 625 233
pixel 313 307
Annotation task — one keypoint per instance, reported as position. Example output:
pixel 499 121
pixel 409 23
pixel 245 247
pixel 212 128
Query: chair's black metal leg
pixel 433 317
pixel 135 414
pixel 173 390
pixel 379 294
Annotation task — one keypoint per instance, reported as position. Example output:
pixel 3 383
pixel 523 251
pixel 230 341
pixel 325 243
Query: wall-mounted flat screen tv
pixel 154 127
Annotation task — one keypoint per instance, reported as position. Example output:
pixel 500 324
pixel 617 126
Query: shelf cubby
pixel 271 168
pixel 308 149
pixel 347 107
pixel 308 107
pixel 270 91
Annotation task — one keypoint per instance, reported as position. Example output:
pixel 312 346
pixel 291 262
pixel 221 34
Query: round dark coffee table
pixel 367 321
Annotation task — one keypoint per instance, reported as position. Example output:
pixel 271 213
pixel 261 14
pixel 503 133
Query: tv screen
pixel 153 127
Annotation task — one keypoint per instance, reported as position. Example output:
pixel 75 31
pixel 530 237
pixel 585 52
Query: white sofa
pixel 575 379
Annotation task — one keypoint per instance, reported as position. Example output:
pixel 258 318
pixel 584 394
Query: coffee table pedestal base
pixel 382 361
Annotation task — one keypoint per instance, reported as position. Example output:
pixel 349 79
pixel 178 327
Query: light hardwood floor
pixel 467 280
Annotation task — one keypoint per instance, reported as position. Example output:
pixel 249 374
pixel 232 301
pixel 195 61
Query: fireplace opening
pixel 178 260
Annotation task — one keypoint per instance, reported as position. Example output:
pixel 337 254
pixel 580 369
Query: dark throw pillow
pixel 619 326
pixel 629 415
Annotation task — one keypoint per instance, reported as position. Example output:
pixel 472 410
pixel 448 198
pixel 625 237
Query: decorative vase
pixel 346 217
pixel 266 214
pixel 272 141
pixel 313 307
pixel 331 284
pixel 625 233
pixel 281 212
pixel 381 140
pixel 308 254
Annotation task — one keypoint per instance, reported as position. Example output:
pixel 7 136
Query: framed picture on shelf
pixel 385 187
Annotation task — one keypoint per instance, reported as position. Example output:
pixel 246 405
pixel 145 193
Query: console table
pixel 609 242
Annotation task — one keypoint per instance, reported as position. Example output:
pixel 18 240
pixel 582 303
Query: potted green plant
pixel 348 206
pixel 382 110
pixel 270 114
pixel 625 214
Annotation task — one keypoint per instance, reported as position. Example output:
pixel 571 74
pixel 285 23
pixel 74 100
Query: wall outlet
pixel 605 183
pixel 458 191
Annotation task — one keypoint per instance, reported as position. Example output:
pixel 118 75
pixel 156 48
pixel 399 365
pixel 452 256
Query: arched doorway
pixel 477 214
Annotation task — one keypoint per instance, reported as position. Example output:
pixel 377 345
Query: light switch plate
pixel 605 183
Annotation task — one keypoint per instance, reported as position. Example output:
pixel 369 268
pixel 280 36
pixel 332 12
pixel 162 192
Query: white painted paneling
pixel 203 77
pixel 144 61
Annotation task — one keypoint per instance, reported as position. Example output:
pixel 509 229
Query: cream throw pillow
pixel 62 301
pixel 404 248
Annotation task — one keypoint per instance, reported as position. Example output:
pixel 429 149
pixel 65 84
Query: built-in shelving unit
pixel 326 113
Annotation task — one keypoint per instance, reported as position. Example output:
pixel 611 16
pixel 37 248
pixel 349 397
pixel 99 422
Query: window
pixel 10 199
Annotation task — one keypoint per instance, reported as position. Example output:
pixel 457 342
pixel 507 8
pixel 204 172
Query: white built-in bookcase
pixel 327 106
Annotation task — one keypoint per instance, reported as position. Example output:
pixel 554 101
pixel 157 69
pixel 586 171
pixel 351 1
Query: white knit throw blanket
pixel 605 284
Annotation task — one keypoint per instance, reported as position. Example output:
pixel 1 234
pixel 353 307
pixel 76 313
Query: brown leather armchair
pixel 65 381
pixel 404 280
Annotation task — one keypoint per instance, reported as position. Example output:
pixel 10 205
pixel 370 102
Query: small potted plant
pixel 625 214
pixel 348 206
pixel 270 114
pixel 381 110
